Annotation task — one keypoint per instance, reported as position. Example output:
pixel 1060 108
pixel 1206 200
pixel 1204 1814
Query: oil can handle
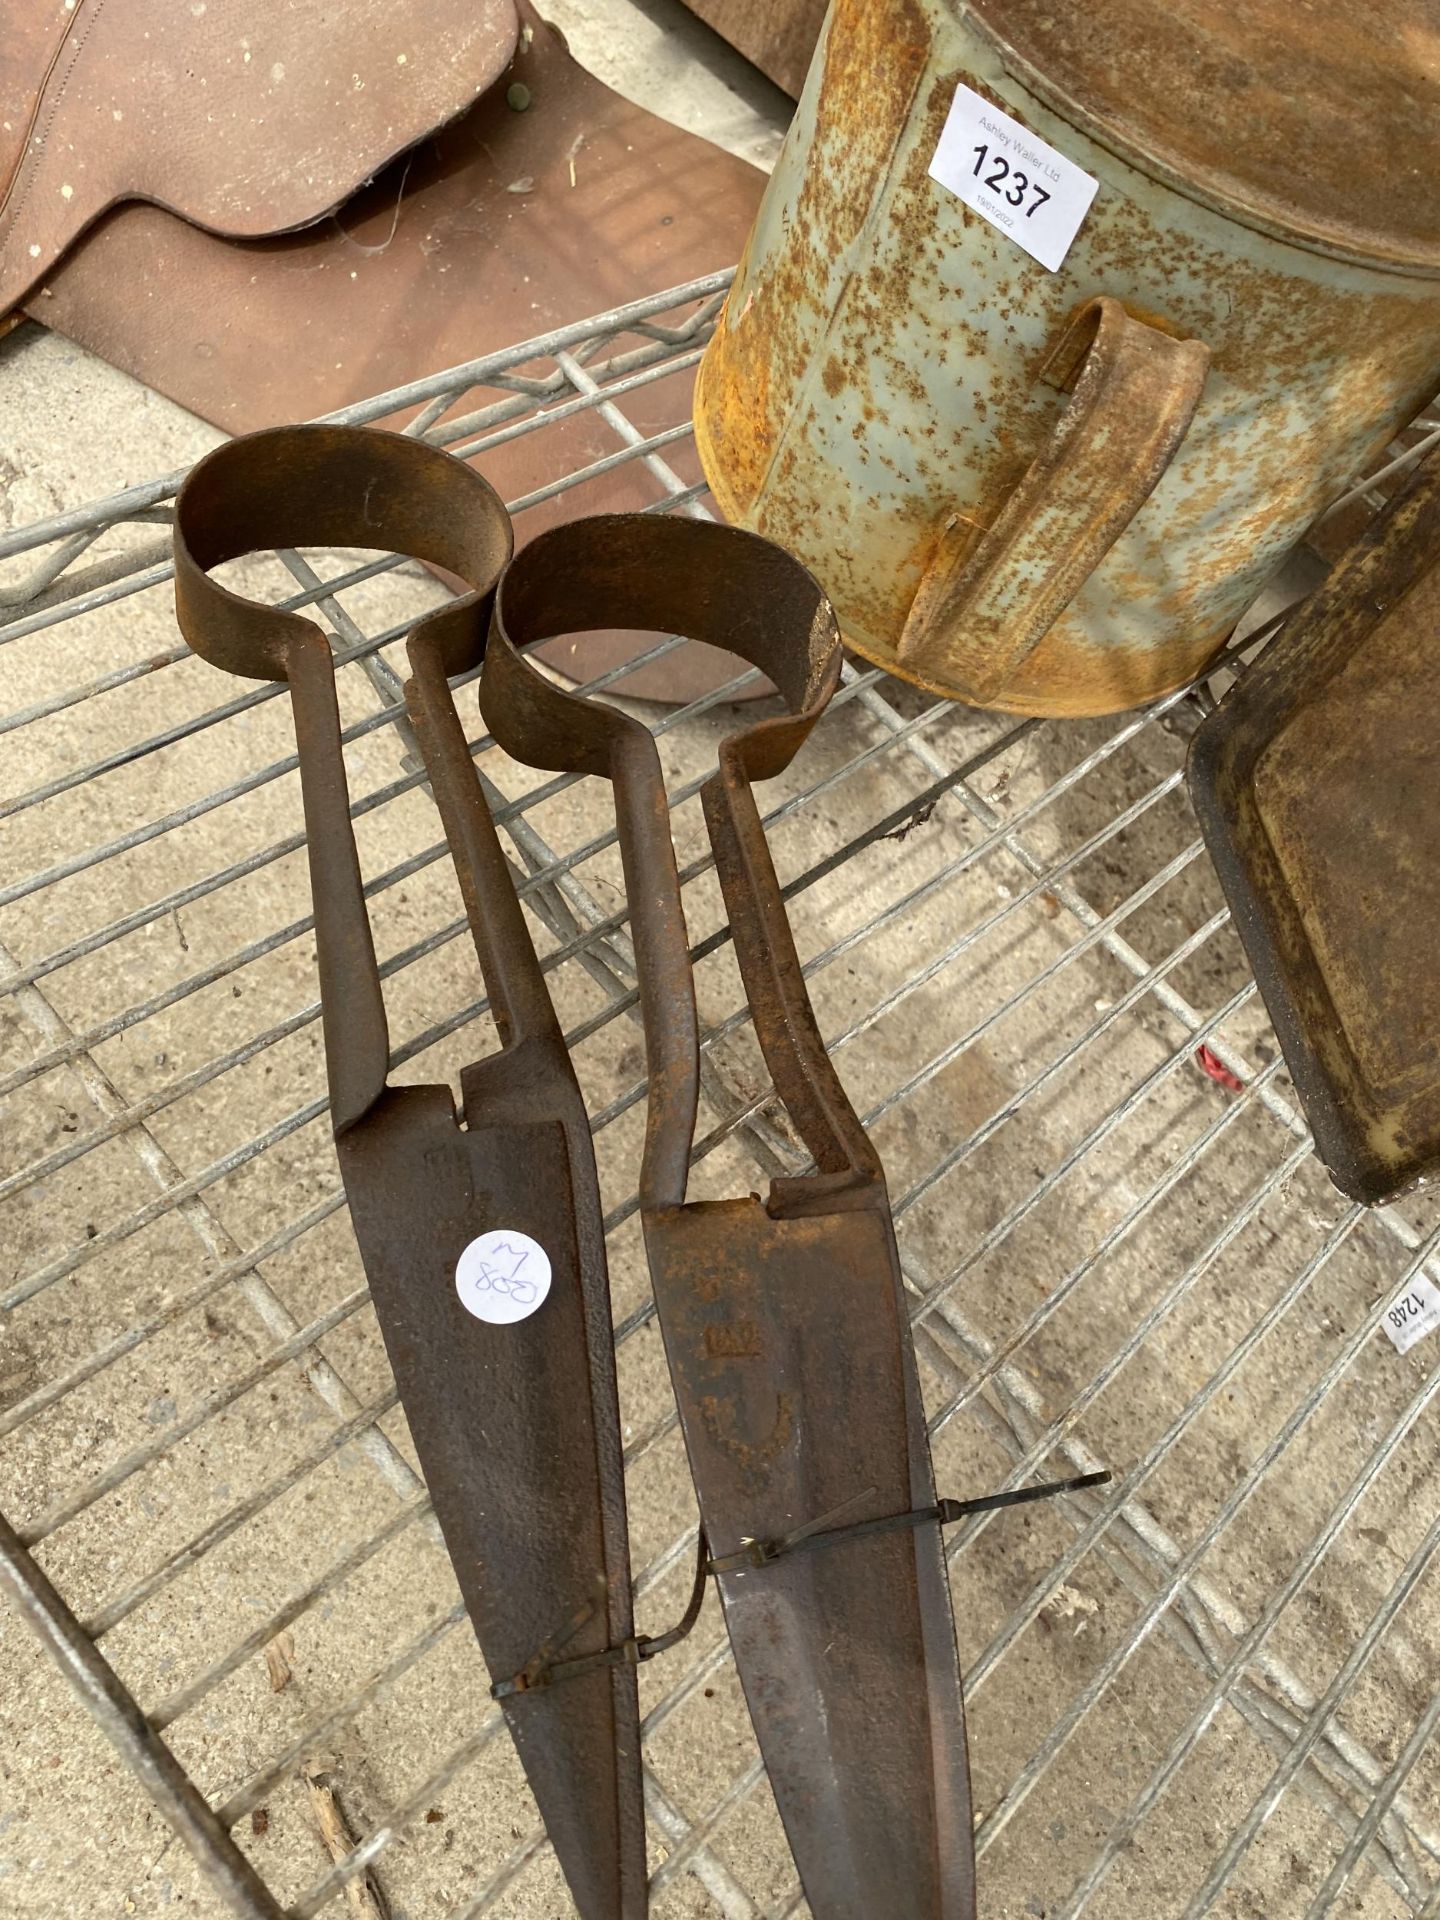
pixel 983 606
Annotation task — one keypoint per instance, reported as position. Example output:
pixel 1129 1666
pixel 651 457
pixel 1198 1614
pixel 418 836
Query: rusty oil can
pixel 1054 492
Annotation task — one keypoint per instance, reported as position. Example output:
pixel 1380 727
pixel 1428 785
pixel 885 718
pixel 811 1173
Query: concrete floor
pixel 78 1837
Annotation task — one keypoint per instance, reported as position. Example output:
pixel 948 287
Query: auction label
pixel 1012 177
pixel 503 1276
pixel 1413 1315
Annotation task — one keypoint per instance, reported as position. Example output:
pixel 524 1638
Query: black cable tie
pixel 817 1534
pixel 544 1670
pixel 547 1670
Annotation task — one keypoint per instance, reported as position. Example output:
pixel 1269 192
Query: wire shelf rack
pixel 1208 1687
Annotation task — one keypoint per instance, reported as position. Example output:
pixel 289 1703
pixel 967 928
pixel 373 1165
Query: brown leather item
pixel 778 35
pixel 244 118
pixel 503 226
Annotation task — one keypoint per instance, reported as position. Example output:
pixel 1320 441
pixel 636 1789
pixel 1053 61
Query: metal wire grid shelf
pixel 1203 1688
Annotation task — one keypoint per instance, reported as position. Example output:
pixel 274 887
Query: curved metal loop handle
pixel 350 487
pixel 984 605
pixel 742 594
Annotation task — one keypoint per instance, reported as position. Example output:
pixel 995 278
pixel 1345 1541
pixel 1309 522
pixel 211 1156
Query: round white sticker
pixel 503 1276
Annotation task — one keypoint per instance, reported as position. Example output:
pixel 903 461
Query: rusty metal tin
pixel 1315 786
pixel 875 397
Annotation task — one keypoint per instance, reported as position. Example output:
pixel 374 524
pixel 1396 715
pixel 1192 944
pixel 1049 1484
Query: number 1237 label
pixel 1012 177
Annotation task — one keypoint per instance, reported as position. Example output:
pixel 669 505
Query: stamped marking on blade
pixel 734 1340
pixel 753 1458
pixel 503 1276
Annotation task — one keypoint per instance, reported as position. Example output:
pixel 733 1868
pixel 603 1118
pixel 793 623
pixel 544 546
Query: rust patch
pixel 709 1286
pixel 872 61
pixel 755 1457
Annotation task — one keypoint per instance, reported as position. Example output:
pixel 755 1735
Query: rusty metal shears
pixel 516 1425
pixel 784 1318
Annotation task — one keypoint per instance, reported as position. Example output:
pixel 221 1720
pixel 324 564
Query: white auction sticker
pixel 1413 1315
pixel 503 1276
pixel 1013 177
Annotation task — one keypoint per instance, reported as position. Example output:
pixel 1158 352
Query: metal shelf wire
pixel 1204 1686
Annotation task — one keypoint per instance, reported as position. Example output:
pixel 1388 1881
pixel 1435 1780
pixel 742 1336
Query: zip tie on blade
pixel 819 1533
pixel 544 1670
